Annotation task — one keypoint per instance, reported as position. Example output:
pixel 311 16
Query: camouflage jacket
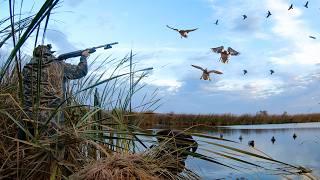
pixel 53 75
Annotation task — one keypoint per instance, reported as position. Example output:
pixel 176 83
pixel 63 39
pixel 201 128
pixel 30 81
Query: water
pixel 302 151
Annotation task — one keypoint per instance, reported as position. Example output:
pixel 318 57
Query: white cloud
pixel 170 85
pixel 290 27
pixel 251 88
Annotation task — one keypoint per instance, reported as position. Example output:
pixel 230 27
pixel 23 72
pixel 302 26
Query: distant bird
pixel 290 7
pixel 306 5
pixel 271 71
pixel 273 139
pixel 294 136
pixel 183 33
pixel 251 143
pixel 268 14
pixel 240 138
pixel 225 54
pixel 244 17
pixel 221 135
pixel 217 21
pixel 205 73
pixel 312 37
pixel 245 72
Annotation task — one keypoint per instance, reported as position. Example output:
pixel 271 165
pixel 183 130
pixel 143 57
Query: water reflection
pixel 286 147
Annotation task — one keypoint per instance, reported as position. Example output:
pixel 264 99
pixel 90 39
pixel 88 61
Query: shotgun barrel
pixel 79 52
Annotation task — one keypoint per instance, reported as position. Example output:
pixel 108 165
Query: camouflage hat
pixel 43 50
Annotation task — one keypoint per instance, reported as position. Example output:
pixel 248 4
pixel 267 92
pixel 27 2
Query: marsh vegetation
pixel 172 120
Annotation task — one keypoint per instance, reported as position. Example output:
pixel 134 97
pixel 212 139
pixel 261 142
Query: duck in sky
pixel 312 37
pixel 271 71
pixel 245 72
pixel 244 17
pixel 268 14
pixel 183 33
pixel 225 54
pixel 205 73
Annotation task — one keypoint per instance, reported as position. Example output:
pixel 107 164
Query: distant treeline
pixel 153 120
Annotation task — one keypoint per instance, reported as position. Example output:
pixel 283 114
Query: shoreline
pixel 171 120
pixel 300 125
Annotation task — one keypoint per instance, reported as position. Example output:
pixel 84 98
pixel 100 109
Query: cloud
pixel 230 17
pixel 290 27
pixel 251 88
pixel 170 85
pixel 60 40
pixel 308 78
pixel 248 25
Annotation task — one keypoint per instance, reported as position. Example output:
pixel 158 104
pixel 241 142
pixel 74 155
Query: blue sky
pixel 280 42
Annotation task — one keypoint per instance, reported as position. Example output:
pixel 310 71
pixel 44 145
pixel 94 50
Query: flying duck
pixel 225 54
pixel 205 73
pixel 183 33
pixel 268 14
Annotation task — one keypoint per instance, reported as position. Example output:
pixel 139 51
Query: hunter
pixel 44 80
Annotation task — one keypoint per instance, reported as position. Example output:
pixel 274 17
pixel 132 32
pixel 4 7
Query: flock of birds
pixel 225 53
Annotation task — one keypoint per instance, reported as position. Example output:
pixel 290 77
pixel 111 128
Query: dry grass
pixel 129 166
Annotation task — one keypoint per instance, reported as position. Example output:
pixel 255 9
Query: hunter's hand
pixel 85 53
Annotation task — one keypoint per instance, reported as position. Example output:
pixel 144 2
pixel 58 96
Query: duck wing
pixel 172 28
pixel 233 52
pixel 217 49
pixel 189 30
pixel 198 67
pixel 312 37
pixel 215 71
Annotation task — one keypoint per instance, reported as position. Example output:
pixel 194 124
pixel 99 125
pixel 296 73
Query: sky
pixel 280 42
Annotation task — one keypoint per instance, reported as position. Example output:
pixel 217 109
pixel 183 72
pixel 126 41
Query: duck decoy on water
pixel 183 33
pixel 273 139
pixel 251 143
pixel 294 136
pixel 240 138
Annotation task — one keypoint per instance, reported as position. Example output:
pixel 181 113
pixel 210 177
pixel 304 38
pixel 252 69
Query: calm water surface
pixel 302 151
